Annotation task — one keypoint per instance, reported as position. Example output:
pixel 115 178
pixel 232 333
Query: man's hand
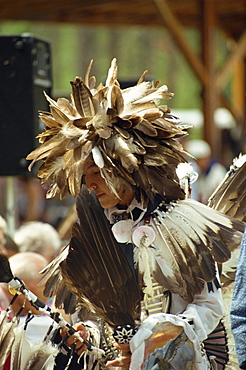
pixel 124 360
pixel 73 340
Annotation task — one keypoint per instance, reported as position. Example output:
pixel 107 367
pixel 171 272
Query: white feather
pixel 162 242
pixel 240 160
pixel 112 73
pixel 161 93
pixel 70 131
pixel 211 215
pixel 97 157
pixel 145 261
pixel 134 93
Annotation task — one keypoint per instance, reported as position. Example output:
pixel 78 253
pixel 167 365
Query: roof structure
pixel 230 14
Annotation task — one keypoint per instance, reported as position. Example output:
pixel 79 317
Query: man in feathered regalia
pixel 142 260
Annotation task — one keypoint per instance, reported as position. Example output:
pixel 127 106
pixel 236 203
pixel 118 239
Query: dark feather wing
pixel 96 269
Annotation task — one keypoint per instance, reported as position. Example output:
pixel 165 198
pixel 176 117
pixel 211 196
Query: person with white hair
pixel 210 171
pixel 26 267
pixel 39 237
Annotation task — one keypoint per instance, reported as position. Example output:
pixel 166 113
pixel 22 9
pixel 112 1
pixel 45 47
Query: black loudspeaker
pixel 25 73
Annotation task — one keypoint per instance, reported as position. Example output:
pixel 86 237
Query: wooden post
pixel 210 94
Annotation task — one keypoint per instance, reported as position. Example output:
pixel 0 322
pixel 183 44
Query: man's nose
pixel 90 185
pixel 93 186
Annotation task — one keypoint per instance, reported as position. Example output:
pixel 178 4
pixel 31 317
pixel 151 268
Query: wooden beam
pixel 239 87
pixel 210 95
pixel 238 55
pixel 176 29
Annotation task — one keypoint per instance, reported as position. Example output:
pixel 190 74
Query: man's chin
pixel 105 204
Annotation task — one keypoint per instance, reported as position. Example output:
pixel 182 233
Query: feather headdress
pixel 127 132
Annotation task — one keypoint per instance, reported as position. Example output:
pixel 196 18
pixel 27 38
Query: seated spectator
pixel 38 237
pixel 26 266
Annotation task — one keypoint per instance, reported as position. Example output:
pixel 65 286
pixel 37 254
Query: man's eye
pixel 96 172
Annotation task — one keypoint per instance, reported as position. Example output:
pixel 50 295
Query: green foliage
pixel 136 49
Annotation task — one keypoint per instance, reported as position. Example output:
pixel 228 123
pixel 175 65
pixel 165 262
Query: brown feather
pixel 82 98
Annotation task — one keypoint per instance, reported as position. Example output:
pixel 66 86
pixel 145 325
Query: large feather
pixel 96 269
pixel 52 267
pixel 20 350
pixel 82 98
pixel 230 196
pixel 112 73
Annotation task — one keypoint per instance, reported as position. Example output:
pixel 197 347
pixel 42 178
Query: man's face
pixel 94 180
